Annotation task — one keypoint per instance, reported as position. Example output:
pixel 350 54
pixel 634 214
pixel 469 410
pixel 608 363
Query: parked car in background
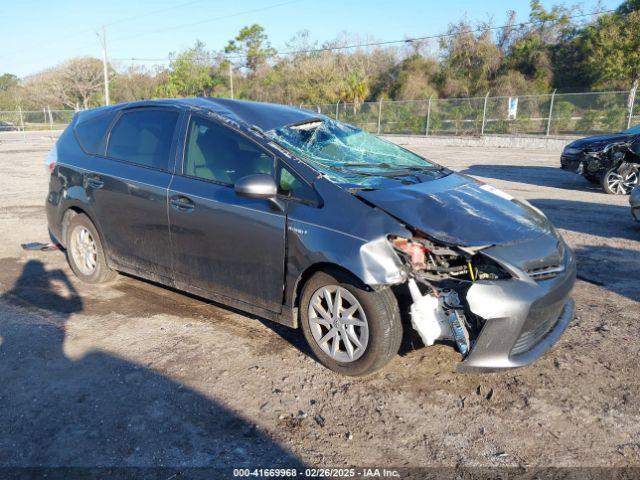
pixel 609 160
pixel 634 200
pixel 312 223
pixel 8 126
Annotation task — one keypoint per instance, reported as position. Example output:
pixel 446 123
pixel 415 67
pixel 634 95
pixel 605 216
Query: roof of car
pixel 266 116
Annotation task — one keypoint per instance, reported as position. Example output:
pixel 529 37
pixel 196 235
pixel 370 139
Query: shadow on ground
pixel 616 269
pixel 533 175
pixel 101 410
pixel 598 219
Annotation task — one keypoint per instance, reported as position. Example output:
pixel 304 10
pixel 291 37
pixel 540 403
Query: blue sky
pixel 39 34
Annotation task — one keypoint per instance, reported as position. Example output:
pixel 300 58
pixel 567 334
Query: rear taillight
pixel 52 159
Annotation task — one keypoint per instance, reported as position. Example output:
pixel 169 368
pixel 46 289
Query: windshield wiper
pixel 388 173
pixel 367 164
pixel 425 168
pixel 411 168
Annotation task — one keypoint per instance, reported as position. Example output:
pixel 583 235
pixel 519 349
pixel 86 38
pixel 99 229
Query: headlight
pixel 571 151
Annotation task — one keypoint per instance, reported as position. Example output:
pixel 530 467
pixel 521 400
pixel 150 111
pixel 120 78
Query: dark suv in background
pixel 309 222
pixel 610 160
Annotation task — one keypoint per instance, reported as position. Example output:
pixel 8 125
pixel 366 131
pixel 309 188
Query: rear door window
pixel 144 137
pixel 91 133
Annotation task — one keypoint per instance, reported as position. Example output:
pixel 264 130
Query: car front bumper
pixel 523 319
pixel 571 163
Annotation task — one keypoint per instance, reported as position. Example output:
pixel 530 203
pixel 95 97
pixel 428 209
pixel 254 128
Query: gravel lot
pixel 133 374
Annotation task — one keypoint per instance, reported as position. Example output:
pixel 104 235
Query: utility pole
pixel 484 114
pixel 426 131
pixel 553 96
pixel 231 79
pixel 631 101
pixel 24 136
pixel 105 70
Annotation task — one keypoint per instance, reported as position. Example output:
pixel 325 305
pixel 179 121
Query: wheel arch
pixel 309 272
pixel 70 212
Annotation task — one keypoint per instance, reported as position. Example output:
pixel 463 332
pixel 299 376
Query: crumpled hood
pixel 458 210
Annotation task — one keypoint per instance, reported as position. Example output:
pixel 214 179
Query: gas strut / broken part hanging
pixel 43 247
pixel 457 321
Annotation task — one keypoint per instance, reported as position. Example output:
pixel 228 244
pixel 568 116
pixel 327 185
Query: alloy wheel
pixel 84 250
pixel 338 323
pixel 622 184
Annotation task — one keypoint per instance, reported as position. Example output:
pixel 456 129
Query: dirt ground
pixel 132 374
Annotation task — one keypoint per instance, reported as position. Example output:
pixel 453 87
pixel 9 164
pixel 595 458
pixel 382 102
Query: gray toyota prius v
pixel 306 221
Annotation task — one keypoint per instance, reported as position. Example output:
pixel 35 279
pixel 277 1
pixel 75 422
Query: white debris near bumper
pixel 428 317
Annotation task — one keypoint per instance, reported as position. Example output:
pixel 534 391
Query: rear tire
pixel 369 321
pixel 85 253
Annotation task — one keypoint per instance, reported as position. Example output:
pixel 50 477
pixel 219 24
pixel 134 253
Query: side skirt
pixel 287 317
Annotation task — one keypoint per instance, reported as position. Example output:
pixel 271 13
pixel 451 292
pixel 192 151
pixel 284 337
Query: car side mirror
pixel 259 185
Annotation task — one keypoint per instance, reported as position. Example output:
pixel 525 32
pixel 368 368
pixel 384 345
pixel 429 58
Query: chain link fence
pixel 559 114
pixel 542 115
pixel 26 120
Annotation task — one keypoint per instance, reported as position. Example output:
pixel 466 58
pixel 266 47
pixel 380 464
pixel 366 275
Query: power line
pixel 200 22
pixel 153 12
pixel 115 22
pixel 391 42
pixel 221 17
pixel 440 35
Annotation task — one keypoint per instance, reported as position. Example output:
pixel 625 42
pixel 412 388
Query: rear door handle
pixel 94 181
pixel 182 203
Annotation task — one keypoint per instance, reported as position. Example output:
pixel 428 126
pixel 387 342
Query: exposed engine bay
pixel 439 279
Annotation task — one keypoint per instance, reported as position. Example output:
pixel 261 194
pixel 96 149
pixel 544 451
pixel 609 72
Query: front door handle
pixel 182 203
pixel 94 181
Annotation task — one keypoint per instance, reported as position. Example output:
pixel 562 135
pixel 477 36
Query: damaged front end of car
pixel 503 306
pixel 482 269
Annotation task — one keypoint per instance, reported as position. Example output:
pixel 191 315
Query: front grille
pixel 550 268
pixel 545 273
pixel 530 338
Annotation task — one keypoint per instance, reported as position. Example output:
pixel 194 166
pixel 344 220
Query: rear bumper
pixel 54 217
pixel 523 319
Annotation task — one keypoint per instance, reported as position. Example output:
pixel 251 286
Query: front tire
pixel 85 253
pixel 620 182
pixel 351 329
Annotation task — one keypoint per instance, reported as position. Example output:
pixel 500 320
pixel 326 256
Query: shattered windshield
pixel 348 155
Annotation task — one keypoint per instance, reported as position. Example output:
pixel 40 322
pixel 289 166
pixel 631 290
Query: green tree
pixel 414 78
pixel 9 91
pixel 190 73
pixel 470 61
pixel 613 46
pixel 252 44
pixel 530 50
pixel 355 88
pixel 8 81
pixel 136 83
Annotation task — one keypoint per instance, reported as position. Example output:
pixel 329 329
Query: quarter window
pixel 217 153
pixel 144 137
pixel 290 185
pixel 91 132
